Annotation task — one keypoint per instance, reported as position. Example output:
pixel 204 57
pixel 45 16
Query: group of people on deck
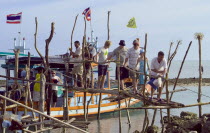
pixel 129 63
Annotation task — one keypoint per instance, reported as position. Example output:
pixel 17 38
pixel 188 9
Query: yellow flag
pixel 132 23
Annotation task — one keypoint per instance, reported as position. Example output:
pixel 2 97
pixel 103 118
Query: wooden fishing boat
pixel 75 100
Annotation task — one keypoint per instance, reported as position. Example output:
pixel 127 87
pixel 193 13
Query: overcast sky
pixel 163 20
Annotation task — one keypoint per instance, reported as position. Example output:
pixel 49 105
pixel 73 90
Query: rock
pixel 188 115
pixel 173 118
pixel 206 116
pixel 152 129
pixel 206 127
pixel 136 131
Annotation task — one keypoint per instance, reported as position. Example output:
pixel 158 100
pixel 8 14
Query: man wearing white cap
pixel 132 57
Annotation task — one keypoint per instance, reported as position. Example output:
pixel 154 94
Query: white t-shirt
pixel 103 54
pixel 158 66
pixel 77 59
pixel 133 55
pixel 57 79
pixel 93 52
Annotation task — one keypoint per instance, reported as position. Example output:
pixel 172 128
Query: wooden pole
pixel 199 37
pixel 42 98
pixel 65 107
pixel 84 72
pixel 43 114
pixel 128 112
pixel 180 69
pixel 100 96
pixel 173 54
pixel 146 119
pixel 162 123
pixel 35 41
pixel 16 74
pixel 108 25
pixel 72 33
pixel 118 74
pixel 153 119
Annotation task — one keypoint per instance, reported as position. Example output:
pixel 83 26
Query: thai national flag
pixel 87 13
pixel 14 18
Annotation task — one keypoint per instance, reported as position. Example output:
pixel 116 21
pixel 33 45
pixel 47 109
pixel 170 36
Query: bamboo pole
pixel 153 118
pixel 43 114
pixel 72 33
pixel 199 37
pixel 180 69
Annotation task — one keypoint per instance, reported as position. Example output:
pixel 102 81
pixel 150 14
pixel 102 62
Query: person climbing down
pixel 140 62
pixel 158 69
pixel 132 57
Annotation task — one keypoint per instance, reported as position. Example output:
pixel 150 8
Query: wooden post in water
pixel 167 92
pixel 180 69
pixel 118 77
pixel 146 119
pixel 200 36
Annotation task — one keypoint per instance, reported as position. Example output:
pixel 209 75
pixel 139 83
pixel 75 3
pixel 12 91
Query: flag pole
pixel 20 30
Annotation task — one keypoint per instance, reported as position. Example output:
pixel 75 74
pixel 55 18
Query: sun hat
pixel 122 43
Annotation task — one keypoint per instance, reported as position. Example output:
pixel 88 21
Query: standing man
pixel 120 54
pixel 55 80
pixel 77 71
pixel 132 56
pixel 158 69
pixel 102 67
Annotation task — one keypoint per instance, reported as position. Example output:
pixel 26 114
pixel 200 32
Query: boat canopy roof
pixel 56 62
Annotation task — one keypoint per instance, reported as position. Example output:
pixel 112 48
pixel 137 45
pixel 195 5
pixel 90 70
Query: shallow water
pixel 109 123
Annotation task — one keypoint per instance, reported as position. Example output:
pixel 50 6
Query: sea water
pixel 109 123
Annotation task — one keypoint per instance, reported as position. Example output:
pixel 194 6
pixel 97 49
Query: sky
pixel 164 21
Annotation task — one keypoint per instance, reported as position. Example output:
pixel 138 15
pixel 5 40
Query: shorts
pixel 102 70
pixel 133 74
pixel 36 96
pixel 78 70
pixel 124 73
pixel 53 95
pixel 88 73
pixel 155 83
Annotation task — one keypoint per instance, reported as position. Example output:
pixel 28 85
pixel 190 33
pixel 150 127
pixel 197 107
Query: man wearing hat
pixel 120 54
pixel 132 57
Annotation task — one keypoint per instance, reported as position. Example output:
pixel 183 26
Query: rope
pixel 191 90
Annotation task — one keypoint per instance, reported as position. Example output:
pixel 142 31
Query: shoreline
pixel 182 82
